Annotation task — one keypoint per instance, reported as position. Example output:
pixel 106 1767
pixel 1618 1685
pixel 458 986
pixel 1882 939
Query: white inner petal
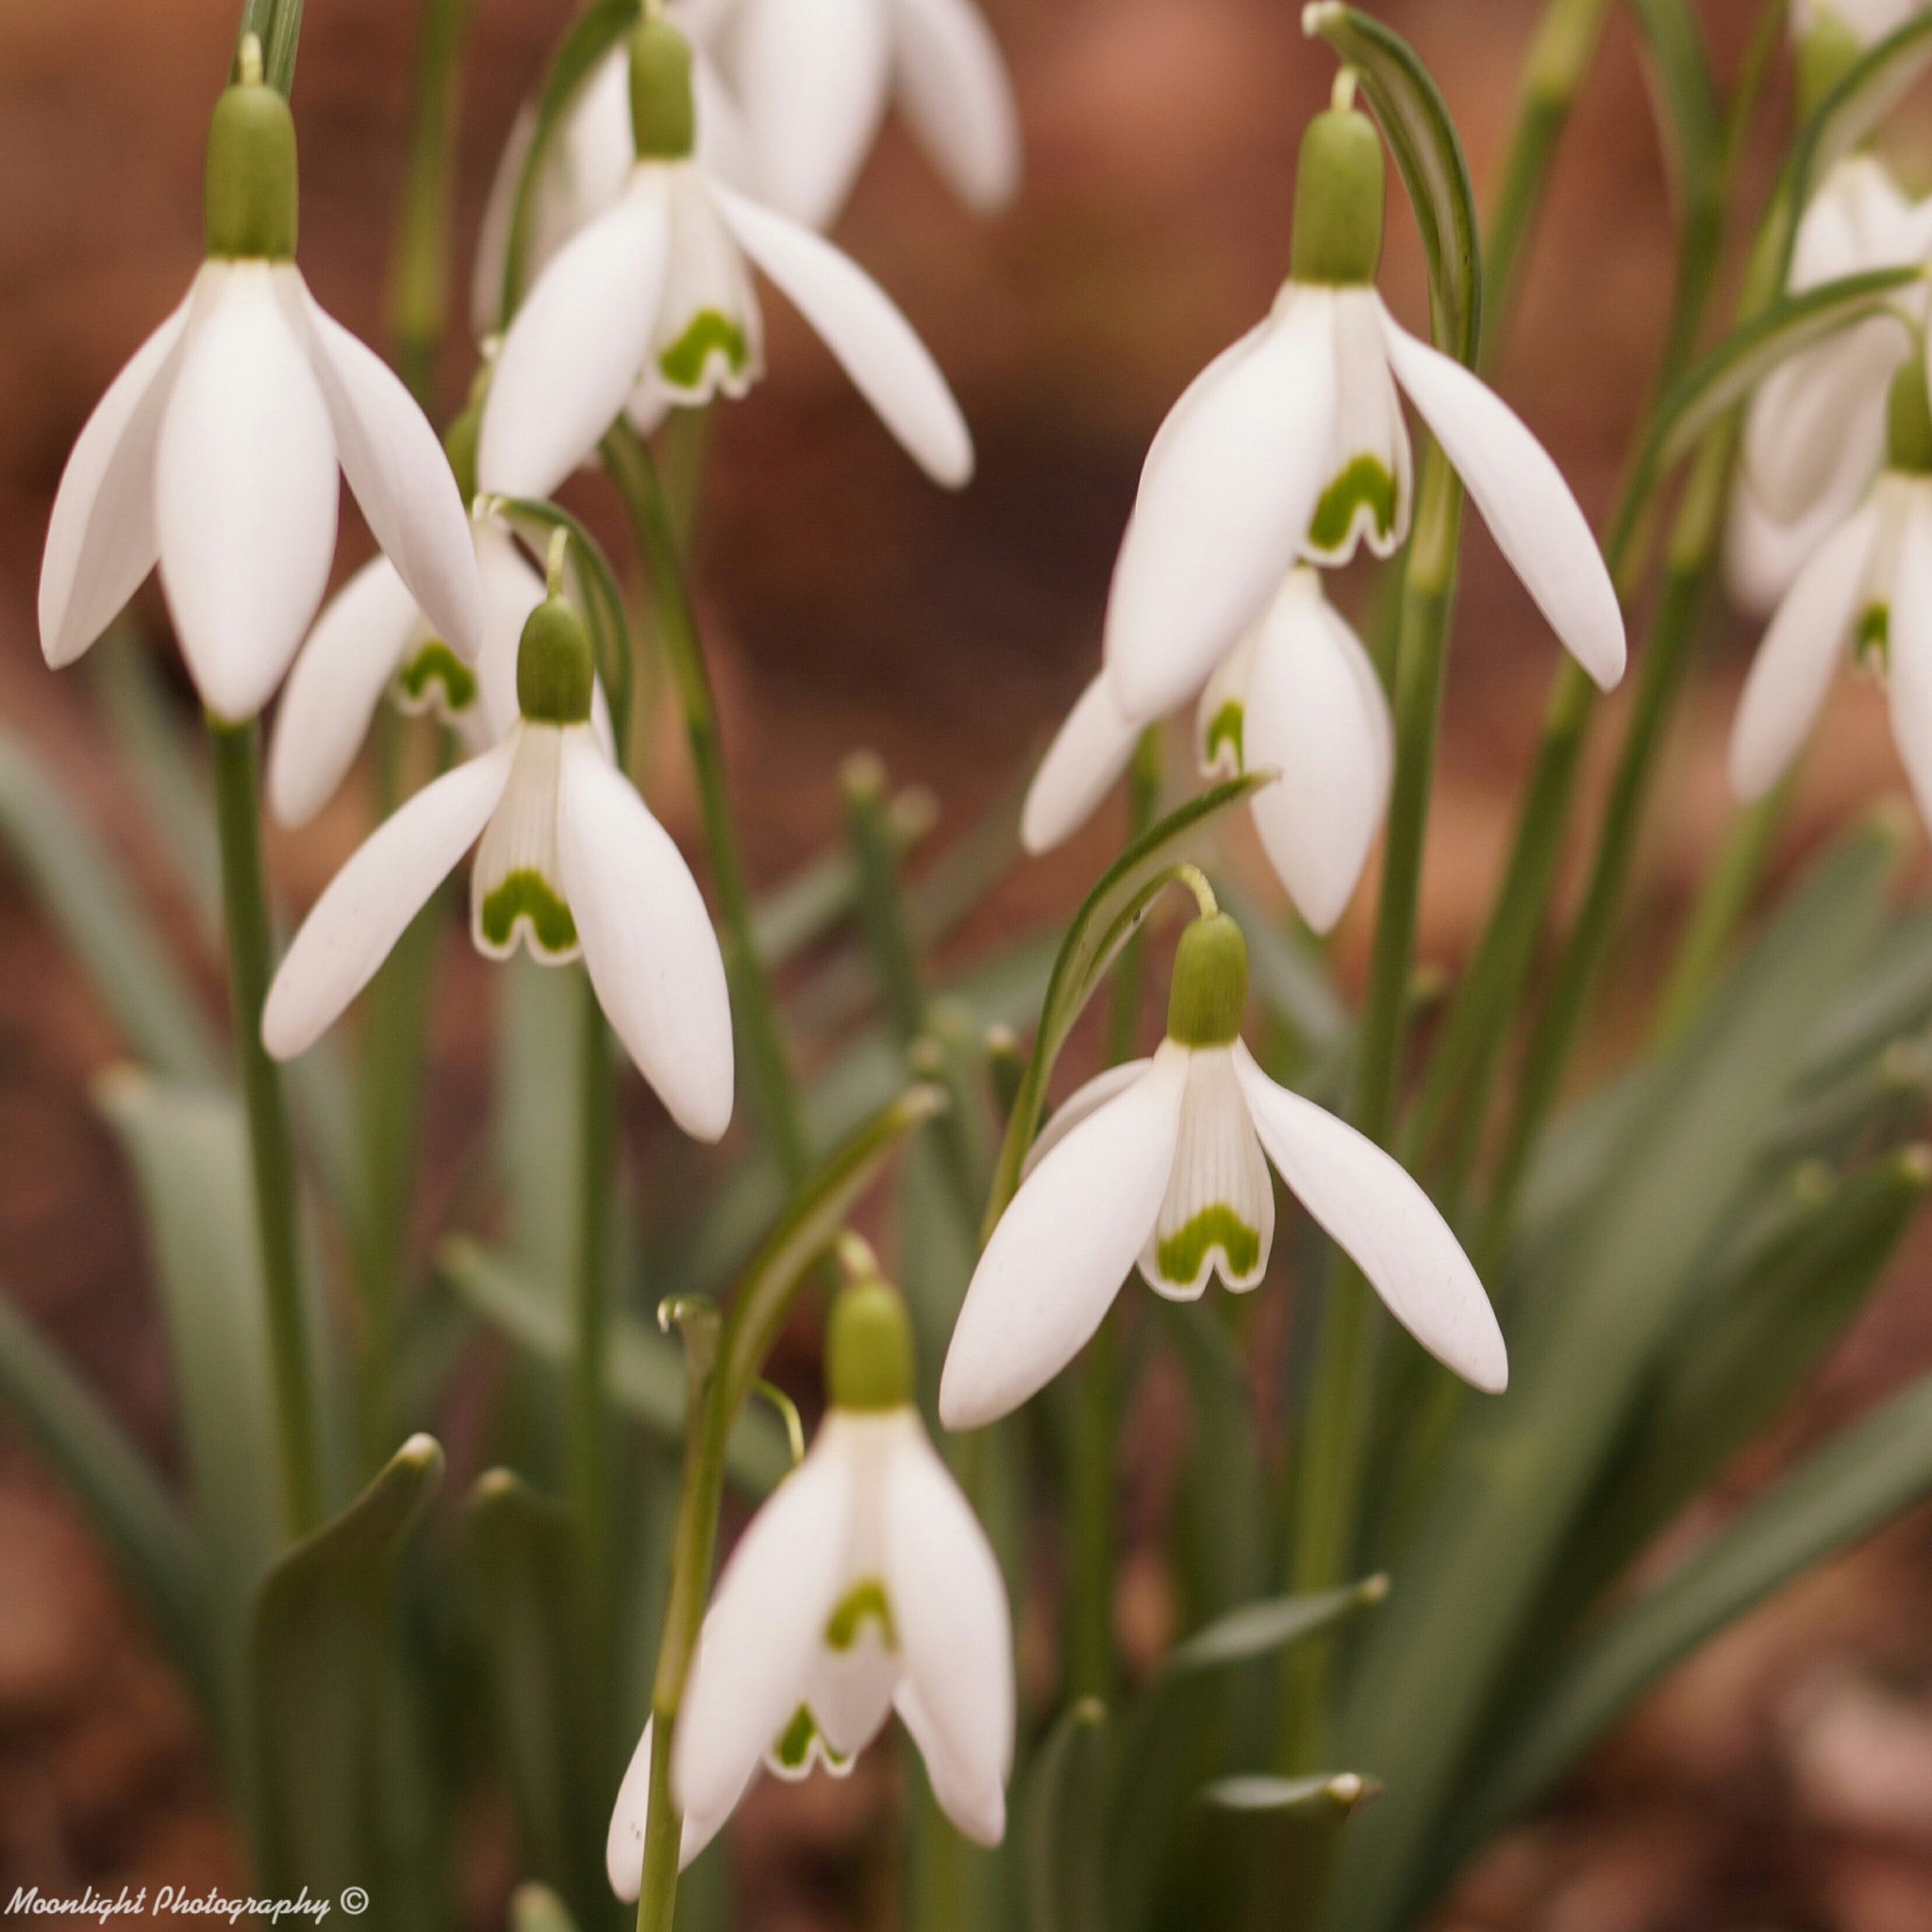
pixel 1367 484
pixel 710 337
pixel 1892 497
pixel 1219 1211
pixel 517 889
pixel 1221 718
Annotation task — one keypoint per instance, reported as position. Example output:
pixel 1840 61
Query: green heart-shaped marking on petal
pixel 1872 642
pixel 683 362
pixel 1181 1254
pixel 527 895
pixel 1366 480
pixel 436 663
pixel 863 1600
pixel 1225 728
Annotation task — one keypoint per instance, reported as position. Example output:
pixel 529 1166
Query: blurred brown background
pixel 1783 1780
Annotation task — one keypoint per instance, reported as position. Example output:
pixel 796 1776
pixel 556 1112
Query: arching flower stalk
pixel 570 862
pixel 1159 1164
pixel 652 304
pixel 864 1585
pixel 1291 445
pixel 1866 592
pixel 215 453
pixel 1296 695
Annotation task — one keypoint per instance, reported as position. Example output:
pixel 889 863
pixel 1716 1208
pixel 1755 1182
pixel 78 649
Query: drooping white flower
pixel 816 77
pixel 1866 592
pixel 1292 444
pixel 570 862
pixel 864 1585
pixel 1868 21
pixel 653 304
pixel 1814 433
pixel 1160 1165
pixel 1296 695
pixel 215 453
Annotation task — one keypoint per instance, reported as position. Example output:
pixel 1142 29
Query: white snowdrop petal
pixel 849 1691
pixel 813 77
pixel 101 540
pixel 1523 498
pixel 766 1622
pixel 647 938
pixel 1224 501
pixel 493 236
pixel 624 1843
pixel 871 341
pixel 1368 482
pixel 518 892
pixel 953 85
pixel 334 686
pixel 710 337
pixel 723 143
pixel 1062 1248
pixel 949 1607
pixel 1316 713
pixel 397 471
pixel 246 491
pixel 369 903
pixel 1909 675
pixel 1376 1213
pixel 511 589
pixel 1802 651
pixel 1763 556
pixel 575 348
pixel 1220 717
pixel 1218 1213
pixel 1092 750
pixel 978 1807
pixel 1083 1102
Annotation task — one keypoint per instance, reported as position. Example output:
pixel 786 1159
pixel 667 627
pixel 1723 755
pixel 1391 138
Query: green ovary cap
pixel 662 119
pixel 555 665
pixel 1338 201
pixel 1908 420
pixel 869 1348
pixel 459 442
pixel 1209 991
pixel 250 197
pixel 1826 51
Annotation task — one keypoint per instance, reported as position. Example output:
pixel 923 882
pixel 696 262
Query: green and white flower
pixel 570 862
pixel 864 1585
pixel 1296 695
pixel 652 303
pixel 1160 1165
pixel 1292 444
pixel 216 453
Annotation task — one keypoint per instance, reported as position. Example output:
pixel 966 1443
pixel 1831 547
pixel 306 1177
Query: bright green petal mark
pixel 1181 1254
pixel 1225 728
pixel 793 1750
pixel 863 1600
pixel 683 362
pixel 528 894
pixel 436 663
pixel 1365 481
pixel 1871 646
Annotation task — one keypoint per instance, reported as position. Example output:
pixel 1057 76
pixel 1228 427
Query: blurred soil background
pixel 1782 1782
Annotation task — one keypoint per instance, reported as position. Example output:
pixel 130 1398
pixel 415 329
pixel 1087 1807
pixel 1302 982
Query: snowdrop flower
pixel 1814 433
pixel 865 1585
pixel 215 452
pixel 653 303
pixel 1296 695
pixel 1159 1164
pixel 815 80
pixel 1868 586
pixel 1292 444
pixel 1862 23
pixel 570 862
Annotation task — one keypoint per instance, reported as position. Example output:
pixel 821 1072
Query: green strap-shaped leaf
pixel 1428 154
pixel 1062 1852
pixel 98 917
pixel 796 915
pixel 644 1370
pixel 1891 996
pixel 319 1680
pixel 138 1519
pixel 1260 1629
pixel 1268 1845
pixel 1852 1486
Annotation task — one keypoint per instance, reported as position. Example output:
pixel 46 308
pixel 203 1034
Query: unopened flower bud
pixel 555 666
pixel 1338 201
pixel 663 120
pixel 869 1348
pixel 1908 421
pixel 250 197
pixel 1209 992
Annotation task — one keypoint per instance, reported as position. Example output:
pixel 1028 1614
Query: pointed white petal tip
pixel 1088 754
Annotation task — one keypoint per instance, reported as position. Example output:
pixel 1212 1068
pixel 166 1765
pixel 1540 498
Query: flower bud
pixel 1338 201
pixel 250 193
pixel 460 445
pixel 869 1348
pixel 1209 992
pixel 555 667
pixel 1908 420
pixel 663 119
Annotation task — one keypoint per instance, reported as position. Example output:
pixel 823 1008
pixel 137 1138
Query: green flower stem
pixel 881 904
pixel 1666 657
pixel 588 1417
pixel 636 478
pixel 1333 1439
pixel 418 271
pixel 233 766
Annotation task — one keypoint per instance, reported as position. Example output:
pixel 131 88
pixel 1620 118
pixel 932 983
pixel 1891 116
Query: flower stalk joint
pixel 250 192
pixel 869 1348
pixel 555 666
pixel 1338 201
pixel 1209 992
pixel 663 120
